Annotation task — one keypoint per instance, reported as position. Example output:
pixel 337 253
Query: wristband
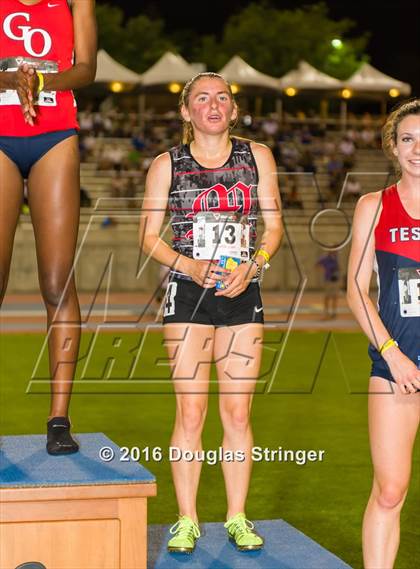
pixel 264 254
pixel 41 82
pixel 258 273
pixel 386 345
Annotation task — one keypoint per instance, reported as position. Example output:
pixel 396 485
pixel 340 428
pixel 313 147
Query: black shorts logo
pixel 170 299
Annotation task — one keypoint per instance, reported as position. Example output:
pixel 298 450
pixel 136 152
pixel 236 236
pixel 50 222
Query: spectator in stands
pixel 85 200
pixel 113 157
pixel 118 185
pixel 290 192
pixel 270 127
pixel 329 148
pixel 331 281
pixel 85 121
pixel 347 150
pixel 305 136
pixel 368 138
pixel 307 162
pixel 289 156
pixel 130 192
pixel 353 187
pixel 137 140
pixel 335 174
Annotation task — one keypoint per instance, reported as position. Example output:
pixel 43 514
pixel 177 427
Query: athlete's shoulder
pixel 260 149
pixel 263 157
pixel 159 173
pixel 241 141
pixel 368 205
pixel 162 163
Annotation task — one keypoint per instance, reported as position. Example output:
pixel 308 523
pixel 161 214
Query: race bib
pixel 409 291
pixel 217 234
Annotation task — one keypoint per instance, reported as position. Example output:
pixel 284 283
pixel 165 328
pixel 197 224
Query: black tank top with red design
pixel 230 189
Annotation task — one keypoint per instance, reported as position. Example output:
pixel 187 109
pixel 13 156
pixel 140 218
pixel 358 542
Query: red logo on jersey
pixel 26 33
pixel 219 198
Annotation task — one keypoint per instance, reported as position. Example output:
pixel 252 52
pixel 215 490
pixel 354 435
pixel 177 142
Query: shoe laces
pixel 185 527
pixel 239 524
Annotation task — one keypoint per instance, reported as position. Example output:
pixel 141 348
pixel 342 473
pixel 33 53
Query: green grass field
pixel 317 401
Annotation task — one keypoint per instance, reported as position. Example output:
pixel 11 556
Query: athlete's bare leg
pixel 54 198
pixel 190 348
pixel 393 422
pixel 11 196
pixel 237 352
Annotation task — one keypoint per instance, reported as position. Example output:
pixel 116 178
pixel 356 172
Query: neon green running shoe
pixel 241 533
pixel 185 532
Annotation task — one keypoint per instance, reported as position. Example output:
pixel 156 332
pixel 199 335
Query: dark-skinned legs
pixel 54 200
pixel 11 195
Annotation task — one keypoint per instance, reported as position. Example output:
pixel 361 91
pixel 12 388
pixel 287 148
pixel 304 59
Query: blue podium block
pixel 285 548
pixel 76 511
pixel 24 462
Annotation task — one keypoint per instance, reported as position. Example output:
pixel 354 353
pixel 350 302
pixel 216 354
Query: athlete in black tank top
pixel 230 189
pixel 215 186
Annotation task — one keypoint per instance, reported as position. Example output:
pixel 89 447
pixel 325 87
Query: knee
pixel 54 291
pixel 391 496
pixel 191 417
pixel 236 418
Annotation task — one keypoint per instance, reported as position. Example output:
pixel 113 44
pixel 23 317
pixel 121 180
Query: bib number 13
pixel 225 231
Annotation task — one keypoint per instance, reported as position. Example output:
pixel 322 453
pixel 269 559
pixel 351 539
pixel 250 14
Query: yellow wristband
pixel 263 254
pixel 41 82
pixel 388 344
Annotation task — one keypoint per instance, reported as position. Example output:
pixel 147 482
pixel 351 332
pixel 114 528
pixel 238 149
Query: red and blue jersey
pixel 42 35
pixel 397 263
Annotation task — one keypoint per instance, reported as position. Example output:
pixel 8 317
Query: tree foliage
pixel 273 41
pixel 137 43
pixel 269 39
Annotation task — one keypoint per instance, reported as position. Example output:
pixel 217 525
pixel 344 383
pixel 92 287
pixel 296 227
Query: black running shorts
pixel 186 301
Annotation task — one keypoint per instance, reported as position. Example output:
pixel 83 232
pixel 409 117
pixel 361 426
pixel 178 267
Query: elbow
pixel 355 297
pixel 88 75
pixel 351 294
pixel 147 243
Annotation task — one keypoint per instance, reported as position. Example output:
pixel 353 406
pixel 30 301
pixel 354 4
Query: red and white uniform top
pixel 397 263
pixel 42 35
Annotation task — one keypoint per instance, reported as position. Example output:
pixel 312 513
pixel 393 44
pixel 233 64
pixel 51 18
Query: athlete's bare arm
pixel 268 198
pixel 85 47
pixel 158 182
pixel 366 217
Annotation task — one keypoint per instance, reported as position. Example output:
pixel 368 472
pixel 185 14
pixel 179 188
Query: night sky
pixel 394 46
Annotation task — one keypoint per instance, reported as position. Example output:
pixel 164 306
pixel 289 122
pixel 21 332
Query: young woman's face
pixel 407 148
pixel 210 106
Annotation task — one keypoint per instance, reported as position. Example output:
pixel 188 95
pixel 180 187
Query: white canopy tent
pixel 369 79
pixel 239 71
pixel 170 68
pixel 307 77
pixel 109 70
